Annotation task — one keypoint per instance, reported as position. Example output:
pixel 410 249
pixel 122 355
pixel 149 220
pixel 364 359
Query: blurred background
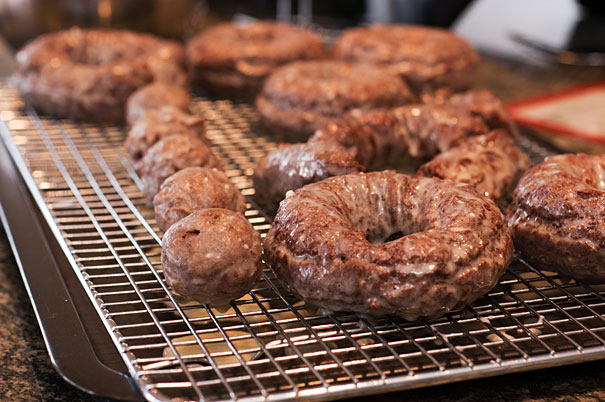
pixel 575 25
pixel 529 47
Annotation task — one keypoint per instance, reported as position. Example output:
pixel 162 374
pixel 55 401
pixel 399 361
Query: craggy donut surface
pixel 492 163
pixel 557 216
pixel 426 58
pixel 89 74
pixel 234 59
pixel 301 97
pixel 327 243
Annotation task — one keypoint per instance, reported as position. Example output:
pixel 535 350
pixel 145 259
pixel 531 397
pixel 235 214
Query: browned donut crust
pixel 195 188
pixel 557 216
pixel 492 163
pixel 327 243
pixel 89 74
pixel 293 166
pixel 212 256
pixel 155 96
pixel 171 154
pixel 301 97
pixel 157 124
pixel 426 58
pixel 234 59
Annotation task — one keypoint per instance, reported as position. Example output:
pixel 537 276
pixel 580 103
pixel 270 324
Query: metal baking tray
pixel 268 345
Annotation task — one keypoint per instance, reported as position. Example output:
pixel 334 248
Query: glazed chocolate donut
pixel 212 256
pixel 195 188
pixel 157 124
pixel 403 138
pixel 484 104
pixel 293 166
pixel 234 59
pixel 156 96
pixel 329 244
pixel 89 74
pixel 301 97
pixel 492 163
pixel 557 216
pixel 171 154
pixel 426 58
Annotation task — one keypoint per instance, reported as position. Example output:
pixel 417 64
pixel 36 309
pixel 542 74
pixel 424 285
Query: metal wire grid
pixel 268 344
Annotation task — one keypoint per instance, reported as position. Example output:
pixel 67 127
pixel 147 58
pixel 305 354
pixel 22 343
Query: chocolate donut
pixel 195 188
pixel 492 163
pixel 329 244
pixel 557 216
pixel 156 96
pixel 89 74
pixel 157 124
pixel 426 58
pixel 171 154
pixel 234 59
pixel 293 166
pixel 302 96
pixel 403 138
pixel 212 256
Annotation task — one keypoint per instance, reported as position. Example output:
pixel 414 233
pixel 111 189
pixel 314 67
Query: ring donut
pixel 426 58
pixel 89 74
pixel 234 59
pixel 301 97
pixel 557 216
pixel 329 244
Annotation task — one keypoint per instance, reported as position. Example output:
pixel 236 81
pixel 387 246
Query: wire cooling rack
pixel 268 345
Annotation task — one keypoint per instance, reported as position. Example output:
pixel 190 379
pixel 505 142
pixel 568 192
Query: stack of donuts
pixel 347 234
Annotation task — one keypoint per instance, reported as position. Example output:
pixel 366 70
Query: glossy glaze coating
pixel 157 124
pixel 171 154
pixel 401 137
pixel 302 96
pixel 557 216
pixel 235 59
pixel 195 188
pixel 155 96
pixel 327 244
pixel 426 58
pixel 293 166
pixel 212 256
pixel 89 74
pixel 492 163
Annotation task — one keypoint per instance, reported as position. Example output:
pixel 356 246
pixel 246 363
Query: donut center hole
pixel 381 236
pixel 394 236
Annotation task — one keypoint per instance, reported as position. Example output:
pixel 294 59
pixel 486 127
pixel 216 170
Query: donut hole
pixel 385 233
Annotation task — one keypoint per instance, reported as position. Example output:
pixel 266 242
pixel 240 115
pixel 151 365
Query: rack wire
pixel 268 345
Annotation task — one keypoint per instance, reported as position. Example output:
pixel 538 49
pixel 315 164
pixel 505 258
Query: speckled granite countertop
pixel 27 373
